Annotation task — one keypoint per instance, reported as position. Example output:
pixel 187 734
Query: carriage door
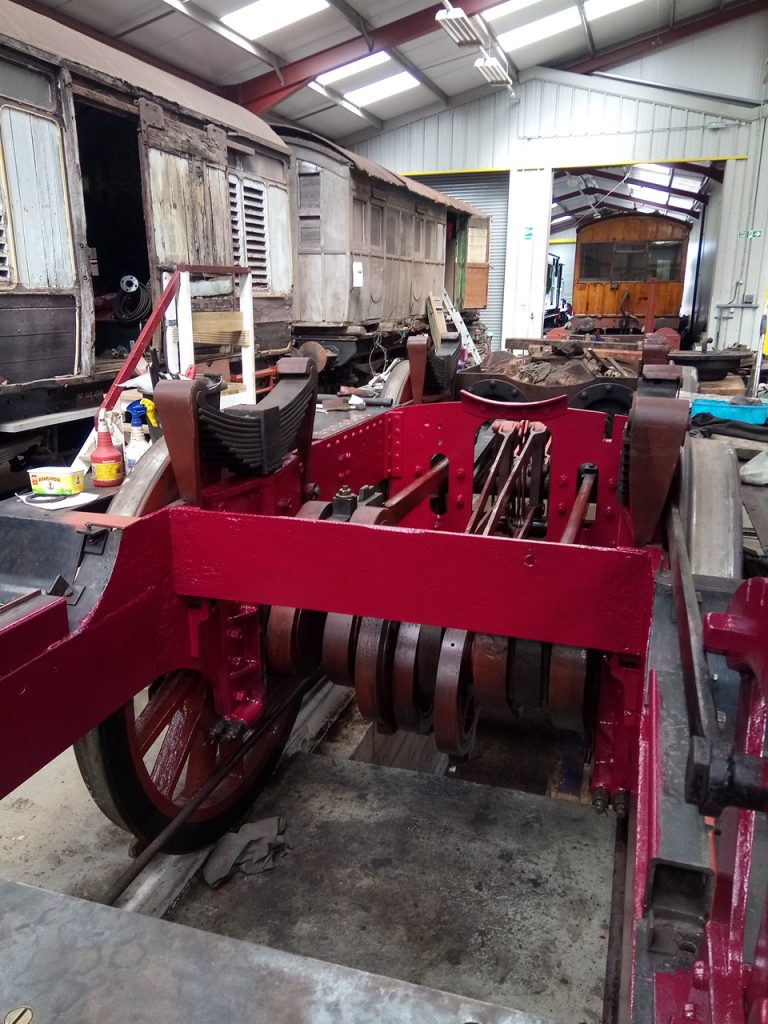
pixel 186 199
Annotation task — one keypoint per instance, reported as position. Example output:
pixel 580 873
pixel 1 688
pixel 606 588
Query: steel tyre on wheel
pixel 142 763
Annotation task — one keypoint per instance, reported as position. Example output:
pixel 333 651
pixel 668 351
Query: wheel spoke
pixel 176 745
pixel 160 708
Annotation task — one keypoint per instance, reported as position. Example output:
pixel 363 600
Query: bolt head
pixel 21 1015
pixel 700 975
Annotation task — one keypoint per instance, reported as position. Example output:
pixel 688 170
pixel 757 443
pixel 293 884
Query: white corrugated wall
pixel 562 120
pixel 489 192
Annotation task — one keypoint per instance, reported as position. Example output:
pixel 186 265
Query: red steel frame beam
pixel 573 595
pixel 261 93
pixel 482 584
pixel 666 37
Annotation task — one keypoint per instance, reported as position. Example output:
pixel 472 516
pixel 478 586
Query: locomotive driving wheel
pixel 144 762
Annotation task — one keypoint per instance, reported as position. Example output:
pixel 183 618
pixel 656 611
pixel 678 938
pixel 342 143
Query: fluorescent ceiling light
pixel 599 8
pixel 382 89
pixel 347 70
pixel 461 28
pixel 510 7
pixel 265 16
pixel 535 31
pixel 492 70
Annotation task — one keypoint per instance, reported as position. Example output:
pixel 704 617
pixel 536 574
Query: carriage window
pixel 438 250
pixel 309 190
pixel 430 240
pixel 664 261
pixel 309 232
pixel 477 244
pixel 630 261
pixel 406 244
pixel 393 232
pixel 418 237
pixel 20 83
pixel 596 261
pixel 38 204
pixel 358 222
pixel 377 226
pixel 280 266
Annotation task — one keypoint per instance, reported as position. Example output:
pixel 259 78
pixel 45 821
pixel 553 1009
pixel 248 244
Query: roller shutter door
pixel 488 191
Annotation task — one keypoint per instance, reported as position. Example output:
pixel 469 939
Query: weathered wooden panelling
pixel 280 254
pixel 216 214
pixel 320 186
pixel 37 336
pixel 190 210
pixel 32 151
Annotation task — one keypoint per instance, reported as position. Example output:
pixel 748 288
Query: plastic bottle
pixel 106 459
pixel 137 442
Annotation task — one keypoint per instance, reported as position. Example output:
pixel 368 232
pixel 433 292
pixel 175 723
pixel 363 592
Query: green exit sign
pixel 750 234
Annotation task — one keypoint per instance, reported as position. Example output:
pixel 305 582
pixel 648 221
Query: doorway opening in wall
pixel 108 147
pixel 633 246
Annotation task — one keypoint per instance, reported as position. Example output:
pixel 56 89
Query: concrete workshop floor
pixel 481 891
pixel 53 835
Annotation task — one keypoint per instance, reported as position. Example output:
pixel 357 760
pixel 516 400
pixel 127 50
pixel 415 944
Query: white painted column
pixel 742 247
pixel 530 205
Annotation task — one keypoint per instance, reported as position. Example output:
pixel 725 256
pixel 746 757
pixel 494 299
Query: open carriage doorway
pixel 108 146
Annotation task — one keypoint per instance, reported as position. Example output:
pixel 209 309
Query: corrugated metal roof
pixel 373 170
pixel 83 54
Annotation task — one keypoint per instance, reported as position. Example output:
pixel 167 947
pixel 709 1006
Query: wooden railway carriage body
pixel 371 245
pixel 622 262
pixel 109 166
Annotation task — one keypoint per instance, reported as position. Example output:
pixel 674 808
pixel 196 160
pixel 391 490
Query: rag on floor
pixel 250 850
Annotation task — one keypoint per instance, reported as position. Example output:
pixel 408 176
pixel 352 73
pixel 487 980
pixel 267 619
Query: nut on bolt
pixel 621 803
pixel 600 799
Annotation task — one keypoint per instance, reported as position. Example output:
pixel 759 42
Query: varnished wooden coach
pixel 629 272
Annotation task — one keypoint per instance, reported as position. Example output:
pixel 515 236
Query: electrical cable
pixel 133 302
